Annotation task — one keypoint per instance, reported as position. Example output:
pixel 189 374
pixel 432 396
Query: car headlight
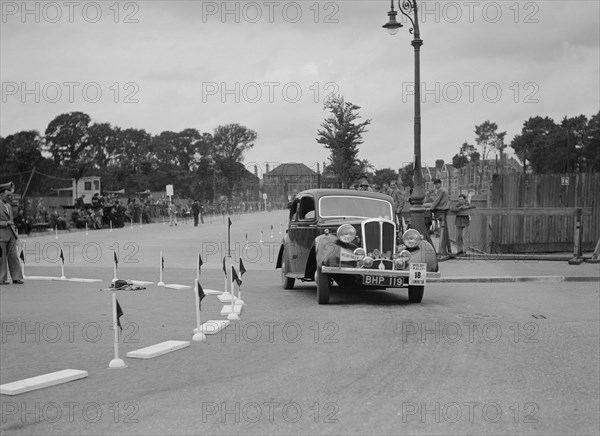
pixel 411 238
pixel 367 262
pixel 360 252
pixel 346 233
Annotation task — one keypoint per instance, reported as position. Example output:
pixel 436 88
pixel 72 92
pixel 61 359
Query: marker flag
pixel 201 294
pixel 119 315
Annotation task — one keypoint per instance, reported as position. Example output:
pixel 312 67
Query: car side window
pixel 293 210
pixel 307 209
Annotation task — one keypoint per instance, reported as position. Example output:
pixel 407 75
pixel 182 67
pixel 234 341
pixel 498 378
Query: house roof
pixel 291 170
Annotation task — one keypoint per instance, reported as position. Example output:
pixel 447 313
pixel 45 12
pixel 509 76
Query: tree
pixel 102 144
pixel 533 139
pixel 407 175
pixel 488 139
pixel 571 146
pixel 384 175
pixel 342 135
pixel 67 140
pixel 467 154
pixel 229 143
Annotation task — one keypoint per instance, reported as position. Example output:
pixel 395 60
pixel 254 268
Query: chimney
pixel 439 164
pixel 267 167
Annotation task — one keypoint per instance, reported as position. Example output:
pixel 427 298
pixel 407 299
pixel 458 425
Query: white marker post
pixel 116 362
pixel 199 336
pixel 271 230
pixel 62 269
pixel 86 229
pixel 232 316
pixel 141 215
pixel 261 236
pixel 280 228
pixel 114 270
pixel 160 269
pixel 55 232
pixel 111 225
pixel 198 268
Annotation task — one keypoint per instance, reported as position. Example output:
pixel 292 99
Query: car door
pixel 302 231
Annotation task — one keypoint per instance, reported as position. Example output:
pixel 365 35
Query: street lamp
pixel 417 211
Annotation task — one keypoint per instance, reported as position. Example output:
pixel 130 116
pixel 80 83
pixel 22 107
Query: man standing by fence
pixel 462 220
pixel 440 207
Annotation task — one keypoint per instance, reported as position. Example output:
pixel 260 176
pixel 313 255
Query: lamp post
pixel 417 211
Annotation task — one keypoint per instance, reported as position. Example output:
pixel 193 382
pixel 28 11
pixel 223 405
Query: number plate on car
pixel 388 282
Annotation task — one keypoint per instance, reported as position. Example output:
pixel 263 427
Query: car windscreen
pixel 350 206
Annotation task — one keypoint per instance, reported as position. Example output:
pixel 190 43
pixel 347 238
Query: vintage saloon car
pixel 349 237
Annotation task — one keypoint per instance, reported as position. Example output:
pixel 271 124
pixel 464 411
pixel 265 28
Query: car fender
pixel 425 253
pixel 284 242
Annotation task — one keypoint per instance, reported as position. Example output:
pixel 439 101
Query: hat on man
pixel 10 186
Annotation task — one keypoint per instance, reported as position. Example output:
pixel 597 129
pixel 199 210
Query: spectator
pixel 462 221
pixel 441 206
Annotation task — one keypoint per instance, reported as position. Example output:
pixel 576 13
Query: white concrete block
pixel 226 310
pixel 213 327
pixel 42 381
pixel 158 349
pixel 177 287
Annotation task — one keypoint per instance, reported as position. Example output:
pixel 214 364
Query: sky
pixel 270 65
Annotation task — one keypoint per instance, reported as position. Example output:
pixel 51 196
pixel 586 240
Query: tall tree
pixel 230 142
pixel 488 139
pixel 342 135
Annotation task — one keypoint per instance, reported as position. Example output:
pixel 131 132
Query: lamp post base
pixel 417 221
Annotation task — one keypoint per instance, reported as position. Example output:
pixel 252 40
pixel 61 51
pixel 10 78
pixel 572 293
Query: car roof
pixel 318 193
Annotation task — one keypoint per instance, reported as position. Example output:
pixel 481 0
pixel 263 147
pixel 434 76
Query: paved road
pixel 473 358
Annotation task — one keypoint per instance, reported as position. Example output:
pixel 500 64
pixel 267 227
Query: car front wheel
pixel 323 287
pixel 286 282
pixel 415 293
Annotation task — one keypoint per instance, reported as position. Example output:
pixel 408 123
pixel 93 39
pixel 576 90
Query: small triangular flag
pixel 224 267
pixel 119 314
pixel 235 276
pixel 200 263
pixel 22 256
pixel 201 294
pixel 162 262
pixel 115 258
pixel 229 222
pixel 62 256
pixel 242 268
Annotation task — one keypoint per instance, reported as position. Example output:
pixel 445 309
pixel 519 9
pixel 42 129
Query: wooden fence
pixel 543 232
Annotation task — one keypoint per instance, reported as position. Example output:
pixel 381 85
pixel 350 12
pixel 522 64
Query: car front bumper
pixel 376 272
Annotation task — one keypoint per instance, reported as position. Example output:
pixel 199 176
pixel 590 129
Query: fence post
pixel 577 259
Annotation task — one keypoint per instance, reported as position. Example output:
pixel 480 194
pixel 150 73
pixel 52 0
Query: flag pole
pixel 116 362
pixel 232 315
pixel 198 268
pixel 229 238
pixel 86 228
pixel 199 336
pixel 160 269
pixel 114 270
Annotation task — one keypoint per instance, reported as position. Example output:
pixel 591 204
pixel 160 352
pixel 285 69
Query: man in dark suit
pixel 9 259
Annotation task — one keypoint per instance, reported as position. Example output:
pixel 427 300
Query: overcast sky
pixel 171 65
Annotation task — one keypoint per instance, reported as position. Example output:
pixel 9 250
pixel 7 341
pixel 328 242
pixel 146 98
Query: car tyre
pixel 286 282
pixel 415 293
pixel 323 287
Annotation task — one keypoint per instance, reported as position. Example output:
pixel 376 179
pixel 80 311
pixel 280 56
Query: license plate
pixel 386 281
